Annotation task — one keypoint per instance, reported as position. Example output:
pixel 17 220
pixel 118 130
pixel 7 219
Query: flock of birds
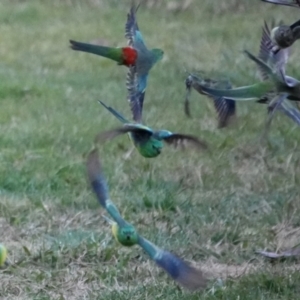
pixel 276 89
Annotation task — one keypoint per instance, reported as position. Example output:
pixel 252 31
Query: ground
pixel 213 208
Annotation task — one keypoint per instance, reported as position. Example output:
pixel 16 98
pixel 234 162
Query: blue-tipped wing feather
pixel 96 179
pixel 100 187
pixel 189 277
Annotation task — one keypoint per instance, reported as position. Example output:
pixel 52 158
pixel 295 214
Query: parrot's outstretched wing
pixel 137 129
pixel 179 139
pixel 266 54
pixel 100 187
pixel 132 32
pixel 186 275
pixel 136 86
pixel 225 109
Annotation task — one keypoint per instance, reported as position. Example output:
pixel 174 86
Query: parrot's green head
pixel 126 235
pixel 158 54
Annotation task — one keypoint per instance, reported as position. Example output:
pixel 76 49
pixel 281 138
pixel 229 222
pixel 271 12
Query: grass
pixel 214 209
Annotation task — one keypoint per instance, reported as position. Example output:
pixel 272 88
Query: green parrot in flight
pixel 225 107
pixel 127 235
pixel 293 3
pixel 148 142
pixel 136 55
pixel 279 84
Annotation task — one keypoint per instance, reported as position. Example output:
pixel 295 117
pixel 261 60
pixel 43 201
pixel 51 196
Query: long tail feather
pixel 115 113
pixel 245 93
pixel 108 52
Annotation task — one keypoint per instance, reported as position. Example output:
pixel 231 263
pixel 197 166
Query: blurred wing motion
pixel 293 3
pixel 286 254
pixel 278 60
pixel 136 93
pixel 99 186
pixel 178 139
pixel 139 130
pixel 264 67
pixel 290 110
pixel 179 270
pixel 225 107
pixel 188 86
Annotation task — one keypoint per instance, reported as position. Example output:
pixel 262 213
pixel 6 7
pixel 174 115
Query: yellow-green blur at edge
pixel 114 229
pixel 3 255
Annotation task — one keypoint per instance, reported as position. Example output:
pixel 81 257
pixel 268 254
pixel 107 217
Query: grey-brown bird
pixel 285 36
